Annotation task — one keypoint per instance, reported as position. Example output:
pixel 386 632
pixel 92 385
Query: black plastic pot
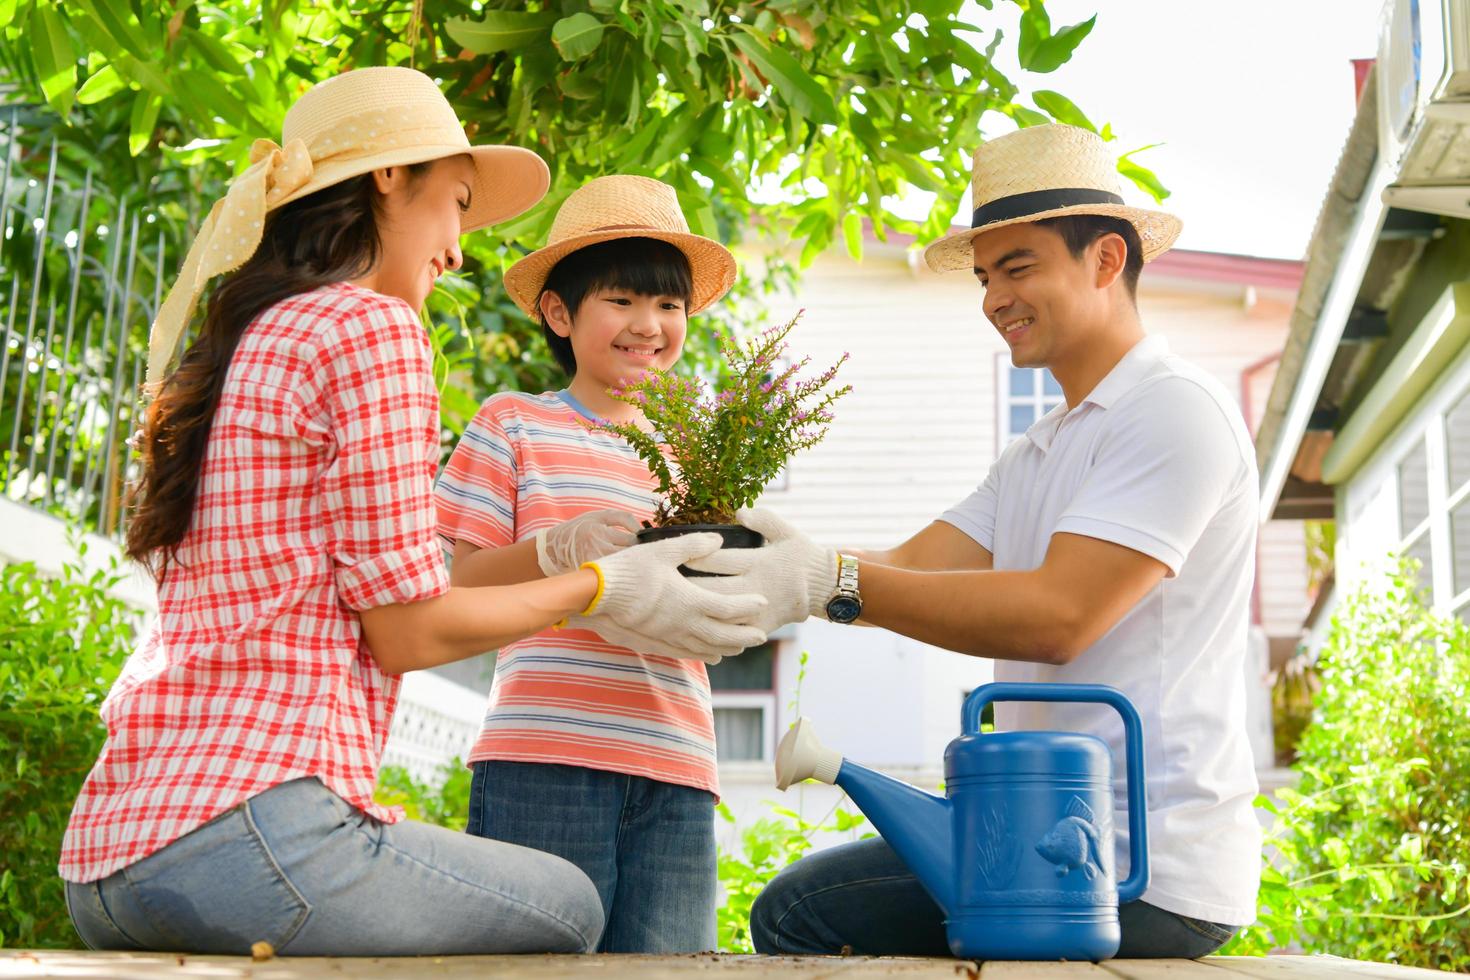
pixel 734 535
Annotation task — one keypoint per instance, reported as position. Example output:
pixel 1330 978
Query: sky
pixel 1252 101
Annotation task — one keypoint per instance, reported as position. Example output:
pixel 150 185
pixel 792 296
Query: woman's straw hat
pixel 623 206
pixel 1046 172
pixel 341 128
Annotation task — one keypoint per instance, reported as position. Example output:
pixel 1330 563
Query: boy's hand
pixel 792 571
pixel 565 547
pixel 643 595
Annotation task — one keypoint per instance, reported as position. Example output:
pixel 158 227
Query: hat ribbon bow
pixel 230 235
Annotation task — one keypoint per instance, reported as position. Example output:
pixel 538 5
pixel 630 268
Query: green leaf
pixel 217 54
pixel 118 24
pixel 103 83
pixel 1144 178
pixel 852 234
pixel 54 57
pixel 1035 28
pixel 577 36
pixel 7 12
pixel 142 121
pixel 1055 51
pixel 145 74
pixel 1062 109
pixel 796 87
pixel 1336 852
pixel 500 30
pixel 1026 117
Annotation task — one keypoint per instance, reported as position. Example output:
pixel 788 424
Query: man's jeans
pixel 648 846
pixel 861 895
pixel 301 869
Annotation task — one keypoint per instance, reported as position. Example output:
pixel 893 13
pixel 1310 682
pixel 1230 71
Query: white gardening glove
pixel 639 643
pixel 792 571
pixel 566 546
pixel 643 596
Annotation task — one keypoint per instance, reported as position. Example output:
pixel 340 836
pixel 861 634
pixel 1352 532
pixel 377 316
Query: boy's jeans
pixel 861 895
pixel 648 846
pixel 301 869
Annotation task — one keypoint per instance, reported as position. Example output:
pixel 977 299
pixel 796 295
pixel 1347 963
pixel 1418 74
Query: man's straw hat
pixel 623 206
pixel 341 128
pixel 1046 172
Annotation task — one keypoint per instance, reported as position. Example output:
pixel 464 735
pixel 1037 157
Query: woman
pixel 285 509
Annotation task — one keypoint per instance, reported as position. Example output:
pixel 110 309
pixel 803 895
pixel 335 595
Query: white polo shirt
pixel 1156 459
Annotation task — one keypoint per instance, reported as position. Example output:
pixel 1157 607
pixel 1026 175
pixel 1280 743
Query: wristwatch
pixel 846 603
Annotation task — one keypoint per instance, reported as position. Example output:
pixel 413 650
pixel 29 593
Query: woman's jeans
pixel 648 846
pixel 301 869
pixel 862 896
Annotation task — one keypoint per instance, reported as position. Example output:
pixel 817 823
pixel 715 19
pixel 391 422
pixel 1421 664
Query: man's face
pixel 1039 297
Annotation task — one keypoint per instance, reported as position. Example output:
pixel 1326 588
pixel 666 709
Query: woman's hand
pixel 645 603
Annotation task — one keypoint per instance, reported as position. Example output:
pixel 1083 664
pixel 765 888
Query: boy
pixel 592 751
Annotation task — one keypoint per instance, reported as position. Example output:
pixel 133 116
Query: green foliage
pixel 767 846
pixel 443 800
pixel 832 108
pixel 1368 854
pixel 62 642
pixel 714 455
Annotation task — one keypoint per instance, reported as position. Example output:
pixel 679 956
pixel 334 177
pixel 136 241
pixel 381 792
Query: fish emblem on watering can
pixel 1019 853
pixel 1077 842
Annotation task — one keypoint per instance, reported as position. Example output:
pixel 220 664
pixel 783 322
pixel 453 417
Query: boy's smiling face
pixel 617 335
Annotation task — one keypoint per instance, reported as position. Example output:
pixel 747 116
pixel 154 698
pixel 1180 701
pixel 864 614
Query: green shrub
pixel 767 846
pixel 62 641
pixel 1367 856
pixel 443 800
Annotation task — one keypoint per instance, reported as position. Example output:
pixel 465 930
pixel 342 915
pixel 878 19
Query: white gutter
pixel 1336 306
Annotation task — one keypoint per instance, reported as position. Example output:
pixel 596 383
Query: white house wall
pixel 1368 527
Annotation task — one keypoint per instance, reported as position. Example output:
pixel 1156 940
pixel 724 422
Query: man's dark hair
pixel 643 266
pixel 1081 230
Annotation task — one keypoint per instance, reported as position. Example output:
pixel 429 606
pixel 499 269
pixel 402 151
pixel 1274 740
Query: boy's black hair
pixel 1081 230
pixel 643 266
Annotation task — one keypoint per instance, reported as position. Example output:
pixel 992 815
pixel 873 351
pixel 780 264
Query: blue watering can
pixel 1019 854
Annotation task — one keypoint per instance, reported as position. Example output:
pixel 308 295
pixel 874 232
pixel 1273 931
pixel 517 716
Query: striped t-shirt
pixel 528 462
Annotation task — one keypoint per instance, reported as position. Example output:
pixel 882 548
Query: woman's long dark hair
pixel 326 237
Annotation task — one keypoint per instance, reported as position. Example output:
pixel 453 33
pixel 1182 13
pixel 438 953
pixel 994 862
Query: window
pixel 1430 476
pixel 1412 477
pixel 744 690
pixel 1024 395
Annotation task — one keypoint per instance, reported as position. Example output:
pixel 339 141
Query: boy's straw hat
pixel 341 128
pixel 623 206
pixel 1046 172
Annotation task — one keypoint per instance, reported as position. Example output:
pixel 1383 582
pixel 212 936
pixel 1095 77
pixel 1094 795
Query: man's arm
pixel 1047 615
pixel 940 547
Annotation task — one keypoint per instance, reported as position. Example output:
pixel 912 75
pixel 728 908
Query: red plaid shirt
pixel 315 501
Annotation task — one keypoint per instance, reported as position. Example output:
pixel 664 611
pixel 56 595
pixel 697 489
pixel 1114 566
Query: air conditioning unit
pixel 1424 104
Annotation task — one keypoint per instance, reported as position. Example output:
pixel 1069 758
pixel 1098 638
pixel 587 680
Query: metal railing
pixel 80 278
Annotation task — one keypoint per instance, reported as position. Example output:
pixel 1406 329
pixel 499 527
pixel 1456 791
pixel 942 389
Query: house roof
pixel 1362 255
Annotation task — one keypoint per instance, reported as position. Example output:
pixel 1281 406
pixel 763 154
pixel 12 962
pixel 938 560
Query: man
pixel 1114 544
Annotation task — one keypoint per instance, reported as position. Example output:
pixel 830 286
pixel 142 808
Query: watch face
pixel 844 608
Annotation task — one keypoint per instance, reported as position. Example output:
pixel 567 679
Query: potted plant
pixel 714 452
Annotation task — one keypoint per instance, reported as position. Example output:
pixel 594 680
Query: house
pixel 1368 422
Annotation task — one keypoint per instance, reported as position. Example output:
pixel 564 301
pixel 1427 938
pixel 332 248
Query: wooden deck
pixel 146 966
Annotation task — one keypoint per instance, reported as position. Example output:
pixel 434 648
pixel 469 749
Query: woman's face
pixel 419 226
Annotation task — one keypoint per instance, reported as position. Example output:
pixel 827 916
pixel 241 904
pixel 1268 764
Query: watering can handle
pixel 1131 889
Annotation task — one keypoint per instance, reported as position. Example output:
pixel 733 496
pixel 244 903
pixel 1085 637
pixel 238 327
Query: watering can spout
pixel 916 824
